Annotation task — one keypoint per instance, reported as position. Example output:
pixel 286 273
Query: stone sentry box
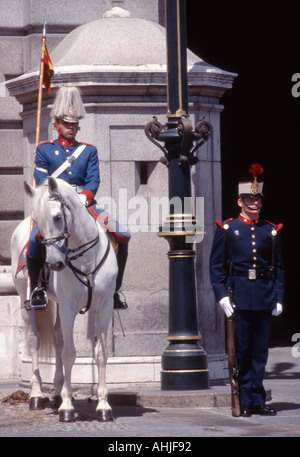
pixel 121 72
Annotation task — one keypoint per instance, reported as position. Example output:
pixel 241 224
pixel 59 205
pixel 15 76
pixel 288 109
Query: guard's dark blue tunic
pixel 255 246
pixel 82 173
pixel 257 282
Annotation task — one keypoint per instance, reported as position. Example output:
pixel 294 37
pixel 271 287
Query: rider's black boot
pixel 38 297
pixel 122 259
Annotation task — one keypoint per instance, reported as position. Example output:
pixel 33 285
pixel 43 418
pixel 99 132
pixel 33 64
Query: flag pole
pixel 40 93
pixel 37 135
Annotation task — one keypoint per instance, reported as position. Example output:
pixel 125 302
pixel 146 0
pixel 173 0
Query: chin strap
pixel 259 207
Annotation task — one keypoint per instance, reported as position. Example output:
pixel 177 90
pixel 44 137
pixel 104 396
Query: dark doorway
pixel 260 123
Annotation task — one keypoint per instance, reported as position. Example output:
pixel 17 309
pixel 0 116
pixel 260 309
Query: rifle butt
pixel 233 368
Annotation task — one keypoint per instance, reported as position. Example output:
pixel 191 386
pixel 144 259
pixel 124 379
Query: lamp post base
pixel 184 367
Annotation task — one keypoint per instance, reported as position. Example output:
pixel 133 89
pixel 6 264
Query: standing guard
pixel 247 276
pixel 78 164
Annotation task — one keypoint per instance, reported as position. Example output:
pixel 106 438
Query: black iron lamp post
pixel 184 361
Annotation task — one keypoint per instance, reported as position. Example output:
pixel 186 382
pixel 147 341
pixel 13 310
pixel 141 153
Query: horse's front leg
pixel 104 411
pixel 66 409
pixel 33 339
pixel 59 375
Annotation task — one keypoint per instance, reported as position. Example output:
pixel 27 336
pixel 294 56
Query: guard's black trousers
pixel 252 347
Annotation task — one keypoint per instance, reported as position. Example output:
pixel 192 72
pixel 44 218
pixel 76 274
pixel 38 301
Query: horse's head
pixel 53 218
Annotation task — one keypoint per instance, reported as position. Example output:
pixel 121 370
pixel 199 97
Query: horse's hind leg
pixel 33 337
pixel 104 411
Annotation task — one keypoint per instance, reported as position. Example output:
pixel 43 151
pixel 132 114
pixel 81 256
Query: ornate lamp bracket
pixel 155 132
pixel 202 133
pixel 204 129
pixel 152 130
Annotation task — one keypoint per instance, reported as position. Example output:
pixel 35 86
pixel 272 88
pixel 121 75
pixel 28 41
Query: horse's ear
pixel 29 190
pixel 52 186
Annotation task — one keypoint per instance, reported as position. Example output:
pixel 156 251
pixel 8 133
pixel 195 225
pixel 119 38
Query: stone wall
pixel 21 26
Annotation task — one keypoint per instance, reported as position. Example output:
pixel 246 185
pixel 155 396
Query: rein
pixel 89 283
pixel 90 245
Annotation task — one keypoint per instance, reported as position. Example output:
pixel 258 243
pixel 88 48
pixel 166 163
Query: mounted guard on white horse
pixel 63 234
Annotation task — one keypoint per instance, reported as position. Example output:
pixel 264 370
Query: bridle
pixel 88 280
pixel 65 235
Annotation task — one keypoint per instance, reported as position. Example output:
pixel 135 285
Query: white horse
pixel 83 263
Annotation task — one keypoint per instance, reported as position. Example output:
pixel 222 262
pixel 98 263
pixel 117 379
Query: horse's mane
pixel 64 189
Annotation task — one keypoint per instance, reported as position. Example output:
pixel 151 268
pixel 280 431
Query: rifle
pixel 232 364
pixel 231 351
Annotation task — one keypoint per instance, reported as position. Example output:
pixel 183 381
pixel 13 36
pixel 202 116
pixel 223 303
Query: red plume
pixel 256 170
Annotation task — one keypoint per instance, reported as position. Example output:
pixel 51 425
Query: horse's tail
pixel 46 321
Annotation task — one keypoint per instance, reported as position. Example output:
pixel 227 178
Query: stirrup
pixel 38 299
pixel 118 303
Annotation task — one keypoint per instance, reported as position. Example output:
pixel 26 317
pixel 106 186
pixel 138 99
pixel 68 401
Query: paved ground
pixel 150 417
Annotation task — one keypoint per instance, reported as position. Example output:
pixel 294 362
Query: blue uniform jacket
pixel 255 246
pixel 84 171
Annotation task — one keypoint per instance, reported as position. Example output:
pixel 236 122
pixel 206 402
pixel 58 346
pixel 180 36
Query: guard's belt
pixel 253 274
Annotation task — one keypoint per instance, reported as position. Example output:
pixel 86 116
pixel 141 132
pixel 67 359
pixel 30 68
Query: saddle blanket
pixel 22 262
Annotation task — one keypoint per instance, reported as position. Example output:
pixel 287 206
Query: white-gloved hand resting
pixel 226 306
pixel 83 199
pixel 278 310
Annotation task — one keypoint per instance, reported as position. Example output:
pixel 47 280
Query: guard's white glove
pixel 226 306
pixel 83 199
pixel 278 310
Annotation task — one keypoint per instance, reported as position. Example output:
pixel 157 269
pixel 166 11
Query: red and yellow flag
pixel 48 69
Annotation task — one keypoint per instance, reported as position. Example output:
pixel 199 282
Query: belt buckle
pixel 252 275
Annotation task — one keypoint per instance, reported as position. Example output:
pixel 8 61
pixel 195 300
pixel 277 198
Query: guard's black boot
pixel 118 303
pixel 122 259
pixel 38 297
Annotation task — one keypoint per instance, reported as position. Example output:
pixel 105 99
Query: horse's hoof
pixel 36 403
pixel 105 415
pixel 66 416
pixel 57 400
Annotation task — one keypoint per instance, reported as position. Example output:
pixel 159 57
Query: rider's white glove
pixel 226 306
pixel 83 199
pixel 278 310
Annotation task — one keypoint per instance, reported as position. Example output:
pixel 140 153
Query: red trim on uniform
pixel 21 265
pixel 89 195
pixel 248 221
pixel 276 227
pixel 93 212
pixel 279 227
pixel 104 220
pixel 117 235
pixel 65 143
pixel 219 224
pixel 271 223
pixel 46 142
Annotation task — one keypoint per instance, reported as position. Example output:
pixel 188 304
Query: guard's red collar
pixel 65 143
pixel 248 221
